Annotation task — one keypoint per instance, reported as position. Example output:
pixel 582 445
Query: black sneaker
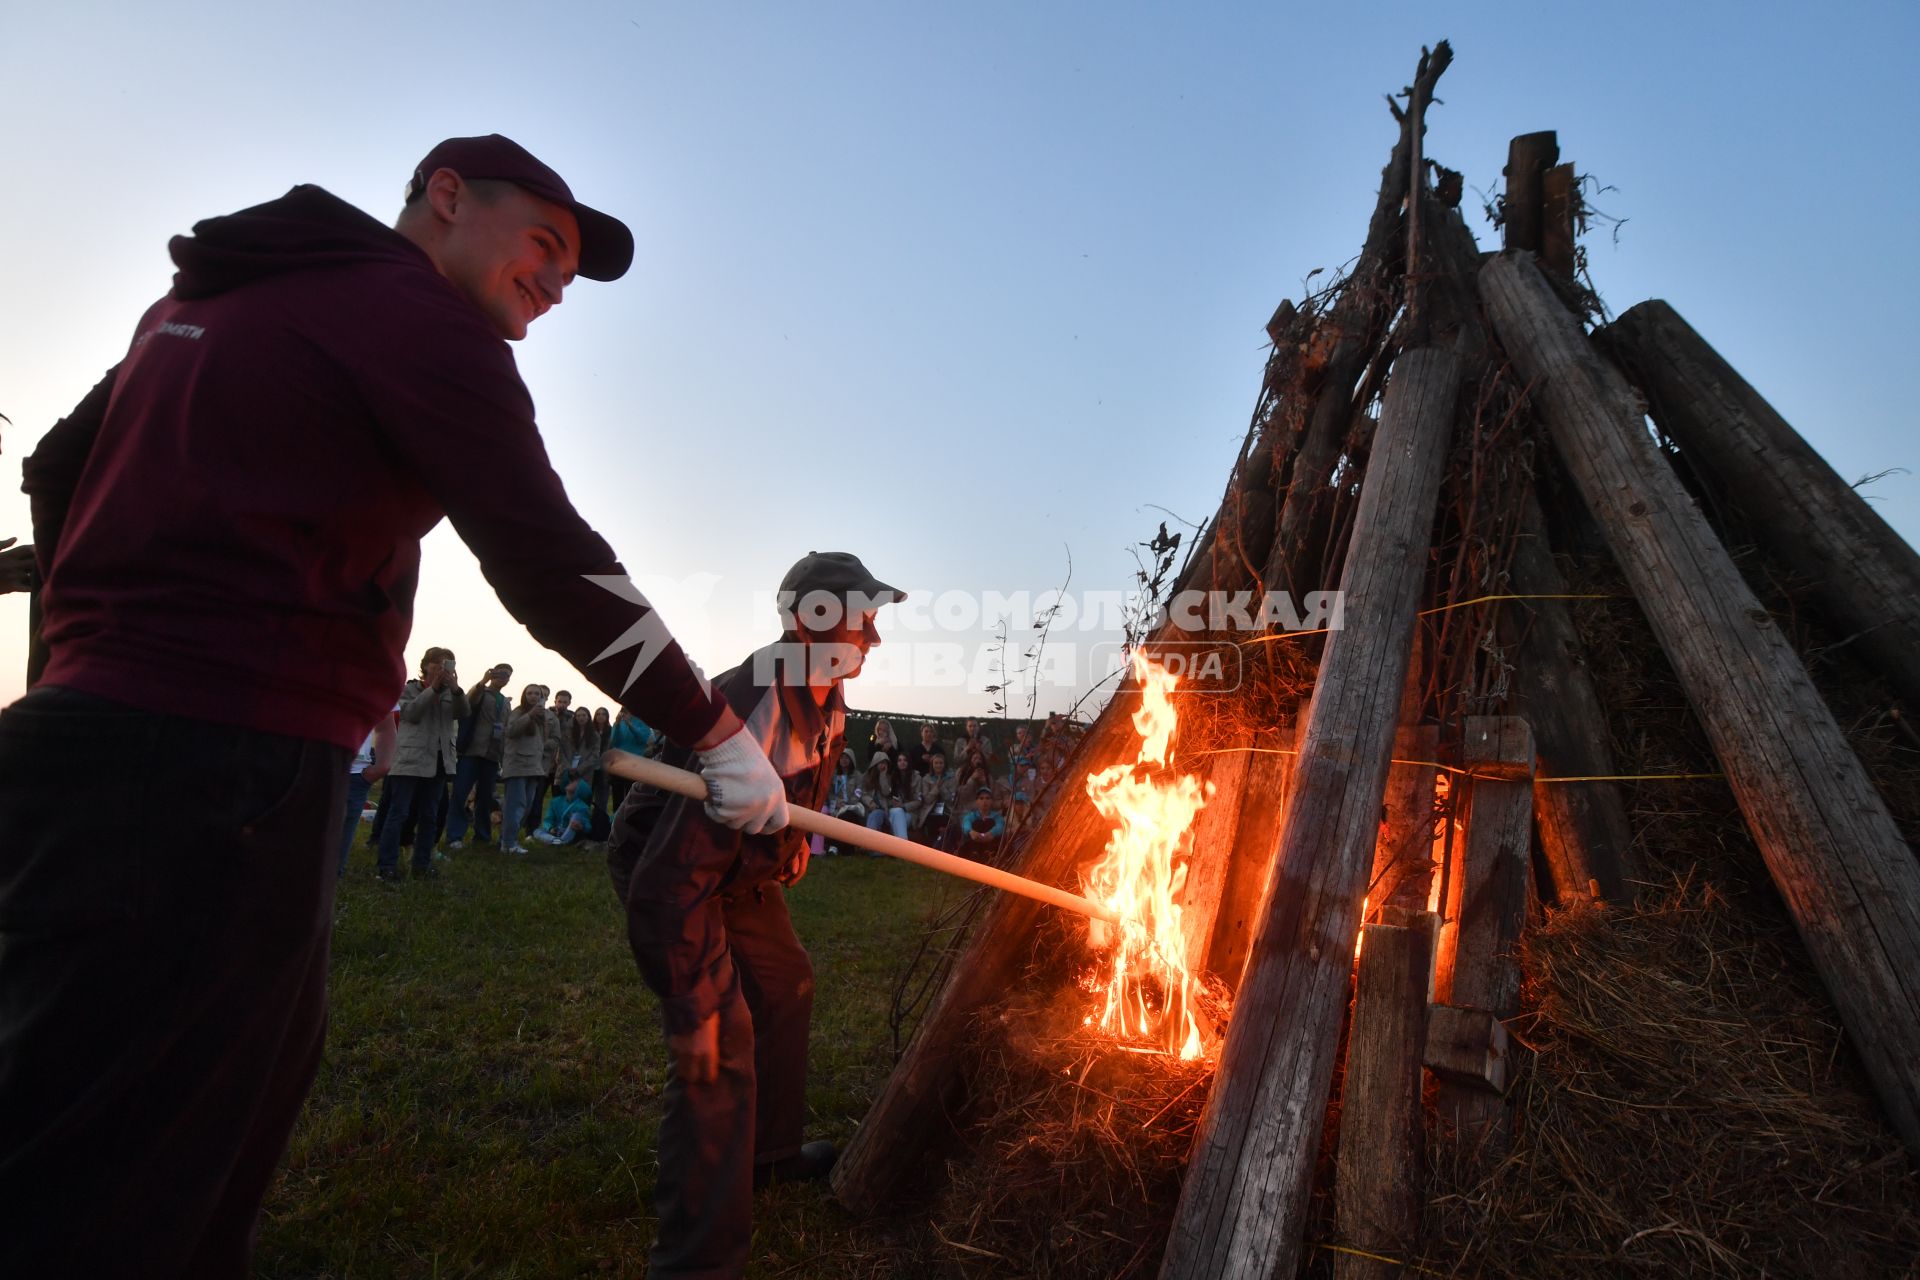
pixel 428 872
pixel 811 1163
pixel 390 875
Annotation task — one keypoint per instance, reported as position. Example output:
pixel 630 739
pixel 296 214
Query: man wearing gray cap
pixel 708 924
pixel 229 529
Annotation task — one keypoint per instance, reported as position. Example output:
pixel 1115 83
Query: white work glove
pixel 743 791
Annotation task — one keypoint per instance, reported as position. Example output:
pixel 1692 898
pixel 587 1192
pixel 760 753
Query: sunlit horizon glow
pixel 976 293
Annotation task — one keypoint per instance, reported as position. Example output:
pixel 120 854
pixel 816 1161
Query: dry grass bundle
pixel 1689 1109
pixel 1077 1146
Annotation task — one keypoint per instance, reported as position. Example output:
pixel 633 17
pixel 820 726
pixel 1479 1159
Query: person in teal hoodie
pixel 569 817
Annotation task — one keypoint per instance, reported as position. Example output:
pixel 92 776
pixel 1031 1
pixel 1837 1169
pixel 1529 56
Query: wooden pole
pixel 1584 831
pixel 1403 861
pixel 1850 881
pixel 1529 156
pixel 1250 867
pixel 1379 1188
pixel 1358 316
pixel 1556 222
pixel 1485 973
pixel 1863 573
pixel 1242 1212
pixel 1214 834
pixel 684 782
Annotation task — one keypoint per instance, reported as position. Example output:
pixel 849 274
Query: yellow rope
pixel 1461 604
pixel 1425 613
pixel 1467 773
pixel 1375 1257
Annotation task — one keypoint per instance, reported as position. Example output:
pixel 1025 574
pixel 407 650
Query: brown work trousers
pixel 712 1135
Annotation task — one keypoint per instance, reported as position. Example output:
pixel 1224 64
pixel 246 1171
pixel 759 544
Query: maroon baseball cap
pixel 606 246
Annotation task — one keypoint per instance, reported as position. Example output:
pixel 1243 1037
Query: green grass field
pixel 490 1096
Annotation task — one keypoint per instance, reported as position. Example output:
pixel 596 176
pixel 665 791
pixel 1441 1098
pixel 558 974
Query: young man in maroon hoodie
pixel 229 527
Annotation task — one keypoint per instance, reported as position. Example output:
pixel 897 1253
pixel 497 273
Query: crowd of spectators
pixel 968 796
pixel 456 758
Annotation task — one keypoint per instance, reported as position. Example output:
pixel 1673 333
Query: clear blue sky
pixel 962 288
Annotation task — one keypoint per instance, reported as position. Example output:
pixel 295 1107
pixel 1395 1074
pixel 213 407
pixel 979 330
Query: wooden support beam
pixel 1213 846
pixel 1249 869
pixel 1863 573
pixel 1584 831
pixel 1529 156
pixel 1403 860
pixel 1850 881
pixel 1556 222
pixel 1485 974
pixel 1358 318
pixel 1379 1187
pixel 1242 1212
pixel 1469 1048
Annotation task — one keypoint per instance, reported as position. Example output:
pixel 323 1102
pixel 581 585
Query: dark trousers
pixel 536 806
pixel 418 798
pixel 162 982
pixel 474 776
pixel 712 1135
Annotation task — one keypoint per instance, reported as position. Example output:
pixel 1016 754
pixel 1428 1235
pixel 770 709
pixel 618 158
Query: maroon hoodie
pixel 230 523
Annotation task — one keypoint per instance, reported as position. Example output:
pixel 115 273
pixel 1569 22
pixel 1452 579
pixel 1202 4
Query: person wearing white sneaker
pixel 707 920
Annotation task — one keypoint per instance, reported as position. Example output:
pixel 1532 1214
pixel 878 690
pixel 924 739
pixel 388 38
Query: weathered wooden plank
pixel 1379 1188
pixel 1584 831
pixel 1249 870
pixel 1403 860
pixel 1485 974
pixel 1243 1209
pixel 1864 574
pixel 1469 1047
pixel 1213 847
pixel 1849 880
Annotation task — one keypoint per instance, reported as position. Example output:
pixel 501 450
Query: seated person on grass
pixel 707 920
pixel 981 826
pixel 569 816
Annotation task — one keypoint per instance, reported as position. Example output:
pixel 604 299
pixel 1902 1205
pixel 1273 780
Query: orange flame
pixel 1150 993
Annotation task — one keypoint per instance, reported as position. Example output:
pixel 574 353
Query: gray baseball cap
pixel 838 573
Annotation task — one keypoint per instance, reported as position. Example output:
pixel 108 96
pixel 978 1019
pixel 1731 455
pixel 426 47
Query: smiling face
pixel 510 252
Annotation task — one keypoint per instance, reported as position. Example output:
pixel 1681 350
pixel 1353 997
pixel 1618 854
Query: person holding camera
pixel 483 737
pixel 424 758
pixel 523 764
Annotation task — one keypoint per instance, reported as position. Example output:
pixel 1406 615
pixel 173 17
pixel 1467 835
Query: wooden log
pixel 1469 1048
pixel 1357 320
pixel 1242 1212
pixel 1529 156
pixel 1849 880
pixel 1403 862
pixel 1485 974
pixel 1556 222
pixel 1213 847
pixel 1864 574
pixel 1379 1187
pixel 1584 832
pixel 1249 870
